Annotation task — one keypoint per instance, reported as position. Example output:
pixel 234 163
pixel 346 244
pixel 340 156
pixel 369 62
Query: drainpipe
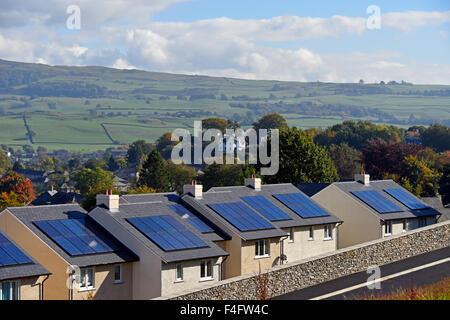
pixel 337 234
pixel 282 248
pixel 42 286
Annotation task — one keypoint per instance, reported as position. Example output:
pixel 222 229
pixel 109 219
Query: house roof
pixel 234 194
pixel 380 185
pixel 57 198
pixel 28 215
pixel 32 269
pixel 173 198
pixel 157 207
pixel 436 203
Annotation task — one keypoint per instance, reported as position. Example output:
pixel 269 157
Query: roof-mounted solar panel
pixel 167 233
pixel 377 201
pixel 75 236
pixel 301 205
pixel 241 216
pixel 408 200
pixel 10 254
pixel 190 217
pixel 266 208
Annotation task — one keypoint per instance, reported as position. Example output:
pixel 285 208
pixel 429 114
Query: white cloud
pixel 410 20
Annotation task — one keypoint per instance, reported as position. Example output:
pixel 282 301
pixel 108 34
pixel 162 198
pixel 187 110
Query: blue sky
pixel 286 40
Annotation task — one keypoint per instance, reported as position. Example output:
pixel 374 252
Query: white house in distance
pixel 370 209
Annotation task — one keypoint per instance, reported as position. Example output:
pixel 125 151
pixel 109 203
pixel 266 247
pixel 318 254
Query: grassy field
pixel 142 105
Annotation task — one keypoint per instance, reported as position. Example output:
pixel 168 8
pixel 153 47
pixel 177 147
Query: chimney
pixel 109 200
pixel 253 182
pixel 194 189
pixel 363 178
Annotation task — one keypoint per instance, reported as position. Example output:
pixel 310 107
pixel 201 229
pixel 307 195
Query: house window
pixel 179 273
pixel 262 248
pixel 291 235
pixel 311 233
pixel 405 225
pixel 388 228
pixel 118 274
pixel 422 222
pixel 206 272
pixel 87 279
pixel 9 290
pixel 327 233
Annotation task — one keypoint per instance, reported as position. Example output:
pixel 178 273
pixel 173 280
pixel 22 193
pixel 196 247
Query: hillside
pixel 90 108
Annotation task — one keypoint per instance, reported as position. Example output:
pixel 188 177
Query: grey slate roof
pixel 379 185
pixel 158 207
pixel 33 269
pixel 436 203
pixel 234 194
pixel 57 198
pixel 173 198
pixel 28 215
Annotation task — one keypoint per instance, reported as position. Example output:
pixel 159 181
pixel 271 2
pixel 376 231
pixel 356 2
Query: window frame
pixel 120 274
pixel 204 269
pixel 16 289
pixel 327 232
pixel 311 233
pixel 82 278
pixel 386 225
pixel 265 248
pixel 180 279
pixel 291 234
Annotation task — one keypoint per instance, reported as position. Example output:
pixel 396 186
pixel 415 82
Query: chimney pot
pixel 109 200
pixel 194 189
pixel 363 178
pixel 253 182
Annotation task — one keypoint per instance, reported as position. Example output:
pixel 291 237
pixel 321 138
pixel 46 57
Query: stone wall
pixel 308 272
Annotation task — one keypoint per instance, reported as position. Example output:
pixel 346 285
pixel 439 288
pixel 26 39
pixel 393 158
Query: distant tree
pixel 346 159
pixel 9 200
pixel 121 163
pixel 112 165
pixel 75 164
pixel 214 123
pixel 28 149
pixel 424 180
pixel 137 150
pixel 179 175
pixel 444 185
pixel 164 145
pixel 381 157
pixel 141 190
pixel 221 175
pixel 12 182
pixel 301 160
pixel 91 182
pixel 5 162
pixel 17 166
pixel 270 121
pixel 233 124
pixel 95 163
pixel 154 173
pixel 437 137
pixel 355 134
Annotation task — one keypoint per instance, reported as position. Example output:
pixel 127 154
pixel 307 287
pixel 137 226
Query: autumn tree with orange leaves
pixel 14 183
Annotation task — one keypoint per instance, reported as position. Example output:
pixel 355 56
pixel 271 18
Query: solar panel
pixel 167 233
pixel 190 217
pixel 11 255
pixel 377 201
pixel 75 236
pixel 266 208
pixel 301 205
pixel 408 200
pixel 241 216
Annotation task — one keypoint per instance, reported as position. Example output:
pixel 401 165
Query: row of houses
pixel 150 245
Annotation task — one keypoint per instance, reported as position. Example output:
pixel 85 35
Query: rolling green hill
pixel 91 108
